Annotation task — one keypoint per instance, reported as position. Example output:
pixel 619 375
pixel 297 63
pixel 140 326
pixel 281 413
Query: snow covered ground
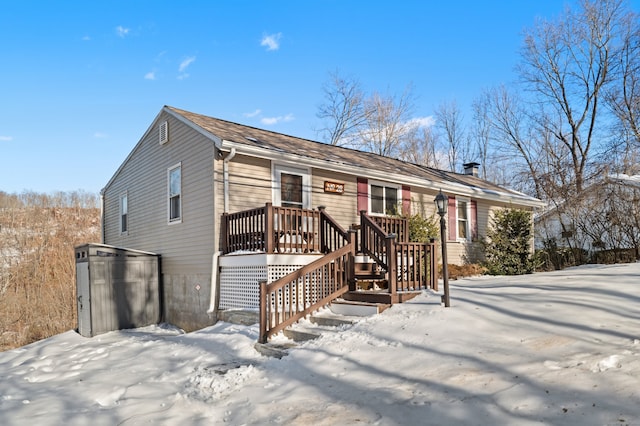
pixel 560 348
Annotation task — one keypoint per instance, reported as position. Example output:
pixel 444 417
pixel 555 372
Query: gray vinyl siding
pixel 186 248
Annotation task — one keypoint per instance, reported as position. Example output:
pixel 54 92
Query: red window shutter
pixel 363 194
pixel 474 220
pixel 406 200
pixel 453 222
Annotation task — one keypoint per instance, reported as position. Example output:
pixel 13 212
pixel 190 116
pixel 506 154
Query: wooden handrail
pixel 244 230
pixel 398 226
pixel 374 240
pixel 332 235
pixel 271 229
pixel 416 266
pixel 409 266
pixel 298 294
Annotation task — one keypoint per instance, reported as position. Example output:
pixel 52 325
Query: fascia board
pixel 152 127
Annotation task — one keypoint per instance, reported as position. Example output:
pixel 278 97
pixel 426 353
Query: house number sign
pixel 335 187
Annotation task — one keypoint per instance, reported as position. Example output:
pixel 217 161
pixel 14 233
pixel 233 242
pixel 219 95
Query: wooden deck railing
pixel 332 235
pixel 399 226
pixel 374 241
pixel 298 294
pixel 416 267
pixel 409 266
pixel 271 229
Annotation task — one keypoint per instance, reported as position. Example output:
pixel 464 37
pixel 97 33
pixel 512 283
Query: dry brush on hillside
pixel 38 233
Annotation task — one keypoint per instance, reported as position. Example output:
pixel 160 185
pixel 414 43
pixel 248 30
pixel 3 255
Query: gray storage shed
pixel 117 288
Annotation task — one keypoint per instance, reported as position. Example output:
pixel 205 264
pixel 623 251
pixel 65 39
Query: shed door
pixel 84 299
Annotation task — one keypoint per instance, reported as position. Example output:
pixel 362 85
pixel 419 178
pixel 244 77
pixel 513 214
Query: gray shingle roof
pixel 278 142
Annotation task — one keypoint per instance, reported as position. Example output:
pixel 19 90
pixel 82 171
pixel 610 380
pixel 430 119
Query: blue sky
pixel 81 81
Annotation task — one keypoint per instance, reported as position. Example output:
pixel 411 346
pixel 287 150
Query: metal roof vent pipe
pixel 471 168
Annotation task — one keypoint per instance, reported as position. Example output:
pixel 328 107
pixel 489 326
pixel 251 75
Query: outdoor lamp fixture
pixel 442 202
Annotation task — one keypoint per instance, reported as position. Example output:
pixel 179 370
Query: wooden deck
pixel 403 268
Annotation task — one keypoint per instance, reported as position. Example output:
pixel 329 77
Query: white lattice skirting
pixel 241 274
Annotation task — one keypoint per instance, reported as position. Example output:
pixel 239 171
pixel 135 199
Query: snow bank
pixel 552 348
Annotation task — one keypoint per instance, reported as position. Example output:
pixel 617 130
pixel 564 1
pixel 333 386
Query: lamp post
pixel 442 202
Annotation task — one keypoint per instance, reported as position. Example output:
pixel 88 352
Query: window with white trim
pixel 384 199
pixel 174 177
pixel 124 213
pixel 463 219
pixel 291 187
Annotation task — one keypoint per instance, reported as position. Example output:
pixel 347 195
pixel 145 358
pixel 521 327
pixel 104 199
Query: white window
pixel 292 187
pixel 384 199
pixel 463 215
pixel 124 213
pixel 175 193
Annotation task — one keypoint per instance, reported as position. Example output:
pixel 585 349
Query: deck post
pixel 392 263
pixel 363 237
pixel 269 235
pixel 351 271
pixel 321 230
pixel 225 233
pixel 263 312
pixel 433 264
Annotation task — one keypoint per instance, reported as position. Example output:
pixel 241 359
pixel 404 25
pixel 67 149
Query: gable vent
pixel 163 133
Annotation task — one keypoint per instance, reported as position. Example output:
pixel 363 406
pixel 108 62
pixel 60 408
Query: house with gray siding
pixel 227 206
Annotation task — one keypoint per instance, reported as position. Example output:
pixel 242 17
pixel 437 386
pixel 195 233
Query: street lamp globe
pixel 442 202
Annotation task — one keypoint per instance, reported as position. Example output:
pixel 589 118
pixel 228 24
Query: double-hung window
pixel 124 213
pixel 175 193
pixel 463 212
pixel 384 199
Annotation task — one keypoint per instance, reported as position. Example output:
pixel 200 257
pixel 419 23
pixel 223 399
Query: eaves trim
pixel 448 187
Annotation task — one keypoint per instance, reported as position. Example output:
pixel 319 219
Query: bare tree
pixel 480 135
pixel 420 147
pixel 38 233
pixel 449 120
pixel 387 122
pixel 510 128
pixel 568 65
pixel 624 97
pixel 343 111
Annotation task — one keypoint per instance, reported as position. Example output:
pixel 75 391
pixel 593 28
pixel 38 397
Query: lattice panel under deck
pixel 239 285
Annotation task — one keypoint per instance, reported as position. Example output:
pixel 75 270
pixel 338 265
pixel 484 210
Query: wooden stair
pixel 365 270
pixel 380 297
pixel 340 315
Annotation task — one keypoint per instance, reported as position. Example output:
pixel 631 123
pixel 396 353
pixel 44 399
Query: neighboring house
pixel 605 217
pixel 192 180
